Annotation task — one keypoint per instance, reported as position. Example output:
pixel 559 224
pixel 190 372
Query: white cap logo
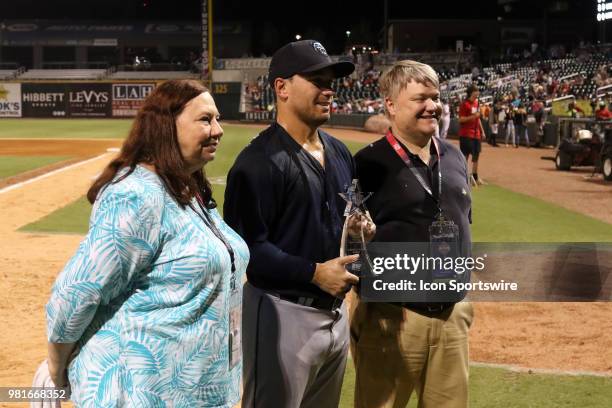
pixel 317 46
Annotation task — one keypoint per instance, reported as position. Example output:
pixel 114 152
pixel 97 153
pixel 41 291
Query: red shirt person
pixel 469 118
pixel 603 113
pixel 471 131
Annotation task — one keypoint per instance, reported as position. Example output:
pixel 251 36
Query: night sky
pixel 284 12
pixel 311 18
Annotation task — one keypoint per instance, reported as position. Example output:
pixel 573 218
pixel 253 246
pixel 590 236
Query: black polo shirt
pixel 287 208
pixel 400 207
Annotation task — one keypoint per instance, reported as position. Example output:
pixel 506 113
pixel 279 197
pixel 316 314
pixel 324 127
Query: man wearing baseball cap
pixel 282 196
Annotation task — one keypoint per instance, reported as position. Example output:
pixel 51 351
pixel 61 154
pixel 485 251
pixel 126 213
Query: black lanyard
pixel 211 225
pixel 406 159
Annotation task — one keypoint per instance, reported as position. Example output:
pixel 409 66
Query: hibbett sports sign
pixel 127 98
pixel 10 100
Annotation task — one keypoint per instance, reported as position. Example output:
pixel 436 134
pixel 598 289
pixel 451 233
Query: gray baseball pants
pixel 294 355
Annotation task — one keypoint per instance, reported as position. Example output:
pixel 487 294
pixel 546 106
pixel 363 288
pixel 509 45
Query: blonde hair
pixel 403 72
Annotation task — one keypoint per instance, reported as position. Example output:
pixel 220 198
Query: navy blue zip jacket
pixel 286 207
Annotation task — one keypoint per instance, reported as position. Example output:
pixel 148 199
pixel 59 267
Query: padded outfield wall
pixel 94 99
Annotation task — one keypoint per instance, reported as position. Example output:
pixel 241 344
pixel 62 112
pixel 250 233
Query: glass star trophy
pixel 353 242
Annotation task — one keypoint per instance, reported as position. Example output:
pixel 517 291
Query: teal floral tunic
pixel 147 299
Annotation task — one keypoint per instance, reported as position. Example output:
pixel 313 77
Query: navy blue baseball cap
pixel 302 57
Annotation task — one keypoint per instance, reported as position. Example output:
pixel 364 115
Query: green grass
pixel 500 215
pixel 500 388
pixel 71 219
pixel 12 165
pixel 66 129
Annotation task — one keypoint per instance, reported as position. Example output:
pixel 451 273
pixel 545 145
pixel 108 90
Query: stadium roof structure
pixel 59 32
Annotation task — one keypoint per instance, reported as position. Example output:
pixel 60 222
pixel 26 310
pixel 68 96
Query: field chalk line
pixel 213 180
pixel 546 371
pixel 51 173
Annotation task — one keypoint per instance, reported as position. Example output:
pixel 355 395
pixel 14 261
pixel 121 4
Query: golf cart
pixel 585 142
pixel 606 156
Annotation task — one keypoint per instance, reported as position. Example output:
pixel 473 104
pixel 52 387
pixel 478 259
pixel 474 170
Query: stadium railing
pixel 75 65
pixel 10 73
pixel 148 66
pixel 157 75
pixel 63 74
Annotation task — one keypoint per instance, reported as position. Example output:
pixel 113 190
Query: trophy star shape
pixel 355 243
pixel 354 198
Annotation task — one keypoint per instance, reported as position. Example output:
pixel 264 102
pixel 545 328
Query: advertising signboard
pixel 41 100
pixel 10 100
pixel 89 100
pixel 127 98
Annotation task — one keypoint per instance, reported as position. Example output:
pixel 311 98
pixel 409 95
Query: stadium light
pixel 604 10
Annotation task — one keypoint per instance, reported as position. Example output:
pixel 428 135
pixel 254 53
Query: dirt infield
pixel 524 171
pixel 29 264
pixel 559 336
pixel 80 149
pixel 59 147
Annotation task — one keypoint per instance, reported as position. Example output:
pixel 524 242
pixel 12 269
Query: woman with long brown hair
pixel 150 303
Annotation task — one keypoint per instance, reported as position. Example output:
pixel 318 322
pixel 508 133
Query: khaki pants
pixel 397 351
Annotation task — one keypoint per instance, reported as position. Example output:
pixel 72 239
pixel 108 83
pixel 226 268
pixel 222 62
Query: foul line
pixel 530 370
pixel 218 181
pixel 51 173
pixel 548 371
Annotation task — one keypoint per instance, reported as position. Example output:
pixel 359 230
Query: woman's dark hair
pixel 153 140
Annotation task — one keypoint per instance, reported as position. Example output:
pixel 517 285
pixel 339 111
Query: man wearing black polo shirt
pixel 421 347
pixel 283 197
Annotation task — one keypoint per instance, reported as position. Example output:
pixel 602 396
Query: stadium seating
pixel 545 79
pixel 8 74
pixel 352 95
